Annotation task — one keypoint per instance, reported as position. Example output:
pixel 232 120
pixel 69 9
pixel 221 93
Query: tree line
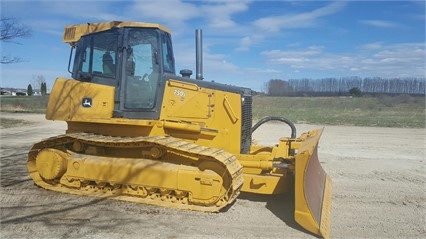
pixel 342 86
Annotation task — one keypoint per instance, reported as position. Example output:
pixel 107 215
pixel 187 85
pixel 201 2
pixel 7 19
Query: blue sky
pixel 246 43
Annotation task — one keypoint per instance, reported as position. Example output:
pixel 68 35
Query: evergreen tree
pixel 43 88
pixel 29 90
pixel 355 92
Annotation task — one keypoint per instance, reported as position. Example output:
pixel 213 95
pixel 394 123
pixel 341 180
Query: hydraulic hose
pixel 276 118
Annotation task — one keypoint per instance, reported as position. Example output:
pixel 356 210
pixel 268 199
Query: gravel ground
pixel 378 192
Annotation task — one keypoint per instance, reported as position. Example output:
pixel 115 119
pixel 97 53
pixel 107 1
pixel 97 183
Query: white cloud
pixel 213 14
pixel 374 45
pixel 245 44
pixel 301 20
pixel 173 11
pixel 380 23
pixel 218 63
pixel 309 51
pixel 219 13
pixel 262 71
pixel 81 10
pixel 407 53
pixel 52 15
pixel 376 59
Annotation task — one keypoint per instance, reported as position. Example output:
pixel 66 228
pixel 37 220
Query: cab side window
pixel 168 59
pixel 99 54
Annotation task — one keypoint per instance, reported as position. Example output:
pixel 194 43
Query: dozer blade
pixel 312 188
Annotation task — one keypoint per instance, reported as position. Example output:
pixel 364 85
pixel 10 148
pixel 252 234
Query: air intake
pixel 69 34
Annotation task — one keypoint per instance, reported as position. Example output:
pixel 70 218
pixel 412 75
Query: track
pixel 103 173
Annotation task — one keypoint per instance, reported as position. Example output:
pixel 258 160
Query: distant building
pixel 19 93
pixel 16 92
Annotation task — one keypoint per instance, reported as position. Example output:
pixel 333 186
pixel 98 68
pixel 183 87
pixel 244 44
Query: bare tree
pixel 38 80
pixel 11 30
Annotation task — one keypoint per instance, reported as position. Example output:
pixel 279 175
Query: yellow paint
pixel 197 114
pixel 73 33
pixel 67 98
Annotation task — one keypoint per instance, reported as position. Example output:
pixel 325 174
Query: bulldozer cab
pixel 131 59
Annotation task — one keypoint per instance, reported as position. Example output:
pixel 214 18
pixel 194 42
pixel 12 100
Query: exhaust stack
pixel 199 54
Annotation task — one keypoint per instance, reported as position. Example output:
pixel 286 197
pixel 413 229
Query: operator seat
pixel 108 64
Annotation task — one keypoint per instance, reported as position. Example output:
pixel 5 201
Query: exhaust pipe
pixel 199 54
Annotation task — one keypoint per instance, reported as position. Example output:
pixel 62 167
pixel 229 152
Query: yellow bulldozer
pixel 138 132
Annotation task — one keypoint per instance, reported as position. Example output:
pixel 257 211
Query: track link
pixel 56 164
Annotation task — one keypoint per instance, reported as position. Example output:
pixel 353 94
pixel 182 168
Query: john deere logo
pixel 86 102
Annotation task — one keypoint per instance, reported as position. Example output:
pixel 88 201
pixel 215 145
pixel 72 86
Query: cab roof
pixel 73 33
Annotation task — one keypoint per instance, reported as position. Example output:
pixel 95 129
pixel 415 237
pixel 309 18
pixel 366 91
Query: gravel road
pixel 378 192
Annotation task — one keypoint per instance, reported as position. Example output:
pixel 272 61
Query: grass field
pixel 381 111
pixel 24 104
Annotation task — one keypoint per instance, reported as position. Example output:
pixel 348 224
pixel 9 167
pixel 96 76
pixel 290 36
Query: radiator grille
pixel 246 122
